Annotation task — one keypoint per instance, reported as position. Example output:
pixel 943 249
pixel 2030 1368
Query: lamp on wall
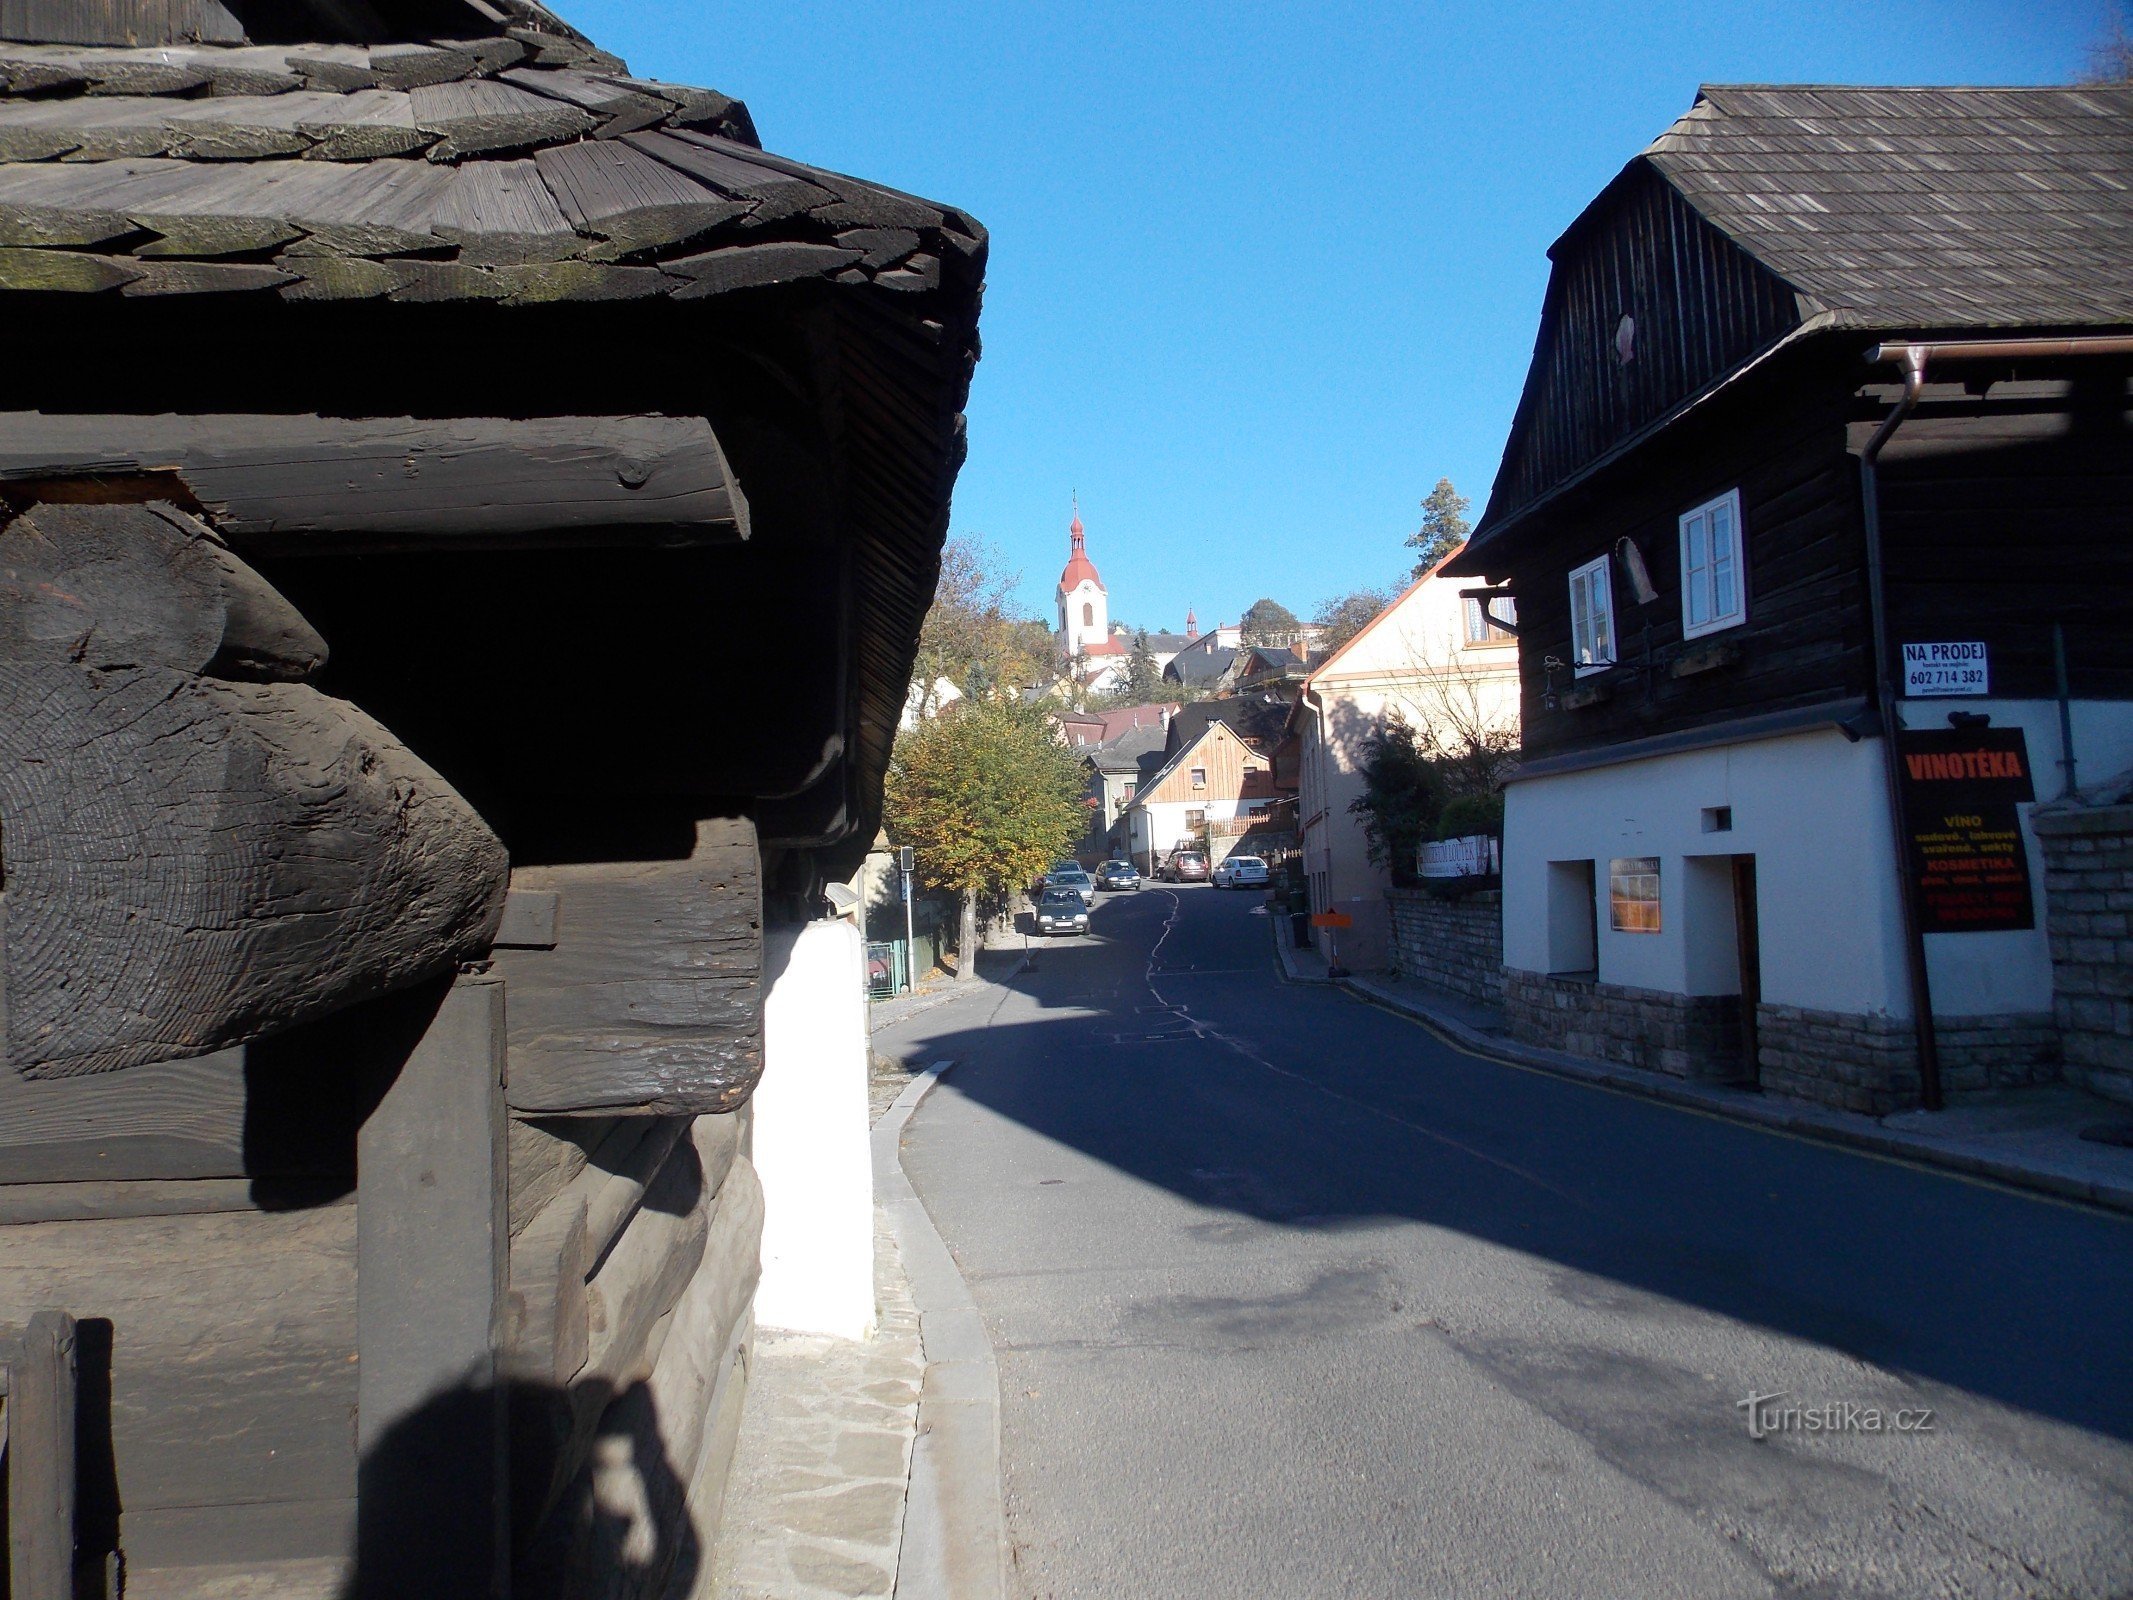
pixel 1550 699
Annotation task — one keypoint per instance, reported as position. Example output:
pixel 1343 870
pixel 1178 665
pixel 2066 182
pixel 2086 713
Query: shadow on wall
pixel 620 1528
pixel 1301 1109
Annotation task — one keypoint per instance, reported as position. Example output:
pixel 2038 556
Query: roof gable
pixel 1767 211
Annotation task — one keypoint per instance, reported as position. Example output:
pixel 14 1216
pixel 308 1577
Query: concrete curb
pixel 955 1518
pixel 1803 1121
pixel 1285 953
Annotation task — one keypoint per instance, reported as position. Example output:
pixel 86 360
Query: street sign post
pixel 904 861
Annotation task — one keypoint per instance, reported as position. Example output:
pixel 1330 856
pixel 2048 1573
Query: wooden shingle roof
pixel 524 166
pixel 1921 207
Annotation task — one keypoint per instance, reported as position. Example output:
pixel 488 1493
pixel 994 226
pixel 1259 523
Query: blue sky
pixel 1262 273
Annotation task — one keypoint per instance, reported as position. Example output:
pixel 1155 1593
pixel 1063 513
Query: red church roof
pixel 1079 567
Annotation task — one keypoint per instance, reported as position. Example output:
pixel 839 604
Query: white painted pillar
pixel 811 1149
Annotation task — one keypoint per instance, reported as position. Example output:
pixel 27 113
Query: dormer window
pixel 1713 595
pixel 1592 618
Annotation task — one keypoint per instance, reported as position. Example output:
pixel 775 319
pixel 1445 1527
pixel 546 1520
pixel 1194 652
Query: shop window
pixel 1592 617
pixel 1633 894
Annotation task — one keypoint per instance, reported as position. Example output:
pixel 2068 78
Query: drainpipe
pixel 1303 848
pixel 1913 360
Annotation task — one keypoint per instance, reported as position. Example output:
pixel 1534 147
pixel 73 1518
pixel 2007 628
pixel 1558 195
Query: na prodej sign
pixel 1961 787
pixel 1930 670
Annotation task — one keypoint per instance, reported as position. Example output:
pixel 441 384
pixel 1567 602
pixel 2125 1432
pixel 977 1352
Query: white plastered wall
pixel 1812 809
pixel 811 1149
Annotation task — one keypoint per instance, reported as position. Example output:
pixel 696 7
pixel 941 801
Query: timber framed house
pixel 1822 462
pixel 408 416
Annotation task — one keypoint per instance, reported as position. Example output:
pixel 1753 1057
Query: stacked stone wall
pixel 2088 884
pixel 1453 945
pixel 1681 1035
pixel 1870 1063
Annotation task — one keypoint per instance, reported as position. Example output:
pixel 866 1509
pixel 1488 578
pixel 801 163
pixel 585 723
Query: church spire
pixel 1192 624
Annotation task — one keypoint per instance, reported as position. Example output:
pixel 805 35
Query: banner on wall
pixel 1961 787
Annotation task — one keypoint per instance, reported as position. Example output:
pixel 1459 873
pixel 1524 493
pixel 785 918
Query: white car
pixel 1242 872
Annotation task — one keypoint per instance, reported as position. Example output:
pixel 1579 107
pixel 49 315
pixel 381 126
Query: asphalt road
pixel 1293 1299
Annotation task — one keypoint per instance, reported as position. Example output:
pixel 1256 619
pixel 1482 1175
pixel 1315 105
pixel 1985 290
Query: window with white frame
pixel 1592 617
pixel 1712 593
pixel 1199 777
pixel 1478 630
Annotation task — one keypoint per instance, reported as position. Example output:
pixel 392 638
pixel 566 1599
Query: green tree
pixel 987 798
pixel 1444 526
pixel 1269 622
pixel 973 634
pixel 1403 791
pixel 1343 617
pixel 1143 683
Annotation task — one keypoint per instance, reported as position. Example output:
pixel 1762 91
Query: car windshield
pixel 1065 899
pixel 1246 861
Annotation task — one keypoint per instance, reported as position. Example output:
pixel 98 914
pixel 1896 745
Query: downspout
pixel 1303 846
pixel 1913 359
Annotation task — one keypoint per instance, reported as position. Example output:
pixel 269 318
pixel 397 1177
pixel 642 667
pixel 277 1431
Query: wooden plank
pixel 342 278
pixel 549 1154
pixel 548 1340
pixel 168 1120
pixel 755 266
pixel 40 1452
pixel 409 66
pixel 119 22
pixel 99 1199
pixel 531 919
pixel 615 1190
pixel 482 115
pixel 280 484
pixel 620 110
pixel 724 166
pixel 630 200
pixel 500 213
pixel 544 283
pixel 61 272
pixel 432 1280
pixel 363 126
pixel 380 208
pixel 205 277
pixel 651 1000
pixel 231 1345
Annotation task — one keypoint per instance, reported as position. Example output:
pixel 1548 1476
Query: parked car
pixel 1187 866
pixel 1242 872
pixel 1118 875
pixel 1068 875
pixel 1062 911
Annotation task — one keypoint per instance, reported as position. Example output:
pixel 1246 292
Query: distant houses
pixel 1817 511
pixel 1431 660
pixel 1214 778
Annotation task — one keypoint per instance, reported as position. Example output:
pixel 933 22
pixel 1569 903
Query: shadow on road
pixel 1301 1107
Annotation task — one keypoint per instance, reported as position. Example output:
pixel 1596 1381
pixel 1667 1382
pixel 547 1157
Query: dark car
pixel 1062 911
pixel 1118 875
pixel 1187 866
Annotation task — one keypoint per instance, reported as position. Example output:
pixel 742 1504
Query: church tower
pixel 1084 604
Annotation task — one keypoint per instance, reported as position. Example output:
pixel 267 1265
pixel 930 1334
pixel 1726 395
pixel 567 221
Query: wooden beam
pixel 40 1450
pixel 196 858
pixel 651 1001
pixel 432 1251
pixel 289 484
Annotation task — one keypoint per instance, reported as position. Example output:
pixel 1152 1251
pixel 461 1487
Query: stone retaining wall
pixel 2088 885
pixel 1870 1063
pixel 1454 945
pixel 1683 1036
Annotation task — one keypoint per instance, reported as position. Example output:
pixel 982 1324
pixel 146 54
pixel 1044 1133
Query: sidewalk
pixel 2026 1138
pixel 872 1468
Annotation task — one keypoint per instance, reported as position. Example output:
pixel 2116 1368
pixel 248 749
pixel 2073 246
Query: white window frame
pixel 1199 777
pixel 1600 583
pixel 1701 581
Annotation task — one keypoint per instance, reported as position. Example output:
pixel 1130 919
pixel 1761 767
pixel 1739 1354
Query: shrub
pixel 1469 814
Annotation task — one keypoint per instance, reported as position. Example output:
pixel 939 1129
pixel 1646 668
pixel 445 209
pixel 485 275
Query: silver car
pixel 1242 872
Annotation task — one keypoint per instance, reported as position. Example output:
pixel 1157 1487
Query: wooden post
pixel 40 1447
pixel 432 1246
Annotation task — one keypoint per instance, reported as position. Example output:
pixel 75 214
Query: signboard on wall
pixel 1961 787
pixel 1950 667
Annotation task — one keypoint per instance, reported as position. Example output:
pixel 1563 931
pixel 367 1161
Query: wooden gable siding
pixel 1702 307
pixel 1805 640
pixel 2006 513
pixel 1227 760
